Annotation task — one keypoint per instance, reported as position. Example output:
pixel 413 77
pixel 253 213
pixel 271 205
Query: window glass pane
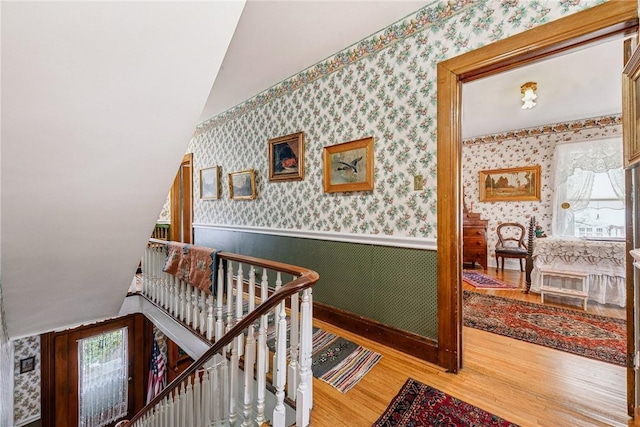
pixel 604 214
pixel 103 378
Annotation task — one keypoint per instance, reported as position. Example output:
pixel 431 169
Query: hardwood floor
pixel 527 384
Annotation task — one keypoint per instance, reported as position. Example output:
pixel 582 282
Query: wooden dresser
pixel 474 239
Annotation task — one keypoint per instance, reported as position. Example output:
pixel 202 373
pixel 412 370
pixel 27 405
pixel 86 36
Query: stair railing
pixel 227 385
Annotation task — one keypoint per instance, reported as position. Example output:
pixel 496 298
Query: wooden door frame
pixel 596 23
pixel 182 202
pixel 58 382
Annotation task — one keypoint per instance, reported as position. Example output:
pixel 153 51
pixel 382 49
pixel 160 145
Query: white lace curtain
pixel 574 168
pixel 102 366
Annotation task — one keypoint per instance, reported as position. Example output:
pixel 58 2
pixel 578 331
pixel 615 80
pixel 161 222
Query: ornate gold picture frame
pixel 349 166
pixel 510 184
pixel 242 185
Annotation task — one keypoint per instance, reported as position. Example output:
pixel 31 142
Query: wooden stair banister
pixel 303 279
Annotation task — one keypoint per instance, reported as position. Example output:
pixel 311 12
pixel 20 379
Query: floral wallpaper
pixel 523 147
pixel 26 386
pixel 383 86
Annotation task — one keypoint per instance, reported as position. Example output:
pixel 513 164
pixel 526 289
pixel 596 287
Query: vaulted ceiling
pixel 99 101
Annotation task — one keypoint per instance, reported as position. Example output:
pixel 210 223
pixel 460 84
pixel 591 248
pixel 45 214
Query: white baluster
pixel 293 374
pixel 176 297
pixel 202 305
pixel 210 324
pixel 219 296
pixel 229 296
pixel 181 302
pixel 304 400
pixel 197 400
pixel 280 367
pixel 208 404
pixel 171 413
pixel 196 308
pixel 239 306
pixel 275 320
pixel 233 383
pixel 249 356
pixel 188 304
pixel 263 351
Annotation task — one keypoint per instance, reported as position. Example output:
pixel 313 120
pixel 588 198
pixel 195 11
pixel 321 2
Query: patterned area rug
pixel 338 362
pixel 597 337
pixel 483 281
pixel 418 405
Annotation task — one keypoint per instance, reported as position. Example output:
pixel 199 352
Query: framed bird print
pixel 349 166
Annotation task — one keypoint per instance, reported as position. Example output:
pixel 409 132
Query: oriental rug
pixel 335 360
pixel 483 281
pixel 418 405
pixel 589 335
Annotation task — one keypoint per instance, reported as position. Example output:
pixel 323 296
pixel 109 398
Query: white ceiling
pixel 99 102
pixel 96 95
pixel 581 84
pixel 277 39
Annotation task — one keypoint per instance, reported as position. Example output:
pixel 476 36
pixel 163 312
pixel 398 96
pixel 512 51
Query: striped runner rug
pixel 337 361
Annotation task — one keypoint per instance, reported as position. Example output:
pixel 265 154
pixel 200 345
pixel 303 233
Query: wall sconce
pixel 529 96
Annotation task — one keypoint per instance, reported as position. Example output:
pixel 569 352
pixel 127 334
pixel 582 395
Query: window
pixel 589 189
pixel 102 378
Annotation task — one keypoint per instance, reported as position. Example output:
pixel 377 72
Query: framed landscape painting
pixel 510 184
pixel 242 185
pixel 209 183
pixel 286 158
pixel 349 166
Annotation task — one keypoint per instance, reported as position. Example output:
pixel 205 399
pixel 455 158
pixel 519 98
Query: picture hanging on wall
pixel 209 183
pixel 286 158
pixel 510 184
pixel 28 364
pixel 349 166
pixel 242 185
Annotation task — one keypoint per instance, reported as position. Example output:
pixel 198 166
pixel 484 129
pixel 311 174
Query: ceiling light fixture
pixel 529 96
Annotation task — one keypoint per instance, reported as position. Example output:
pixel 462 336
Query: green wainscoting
pixel 392 285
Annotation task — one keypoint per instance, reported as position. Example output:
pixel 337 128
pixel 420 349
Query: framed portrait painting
pixel 209 183
pixel 349 166
pixel 286 158
pixel 510 184
pixel 242 185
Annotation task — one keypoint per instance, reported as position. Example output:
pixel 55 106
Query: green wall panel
pixel 394 286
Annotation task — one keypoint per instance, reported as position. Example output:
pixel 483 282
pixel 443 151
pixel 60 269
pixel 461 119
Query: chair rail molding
pixel 367 239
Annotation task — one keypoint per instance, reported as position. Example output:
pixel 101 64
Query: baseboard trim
pixel 407 342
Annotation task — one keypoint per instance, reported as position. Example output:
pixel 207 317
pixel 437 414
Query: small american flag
pixel 156 373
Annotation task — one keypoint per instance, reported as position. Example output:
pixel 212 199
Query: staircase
pixel 260 333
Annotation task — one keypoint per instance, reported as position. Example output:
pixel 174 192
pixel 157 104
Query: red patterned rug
pixel 483 281
pixel 419 405
pixel 597 337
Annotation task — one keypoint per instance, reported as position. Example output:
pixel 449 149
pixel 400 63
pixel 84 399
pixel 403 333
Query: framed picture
pixel 631 110
pixel 510 184
pixel 209 183
pixel 286 158
pixel 242 185
pixel 349 166
pixel 28 364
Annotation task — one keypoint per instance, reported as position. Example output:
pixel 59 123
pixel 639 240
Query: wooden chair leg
pixel 521 267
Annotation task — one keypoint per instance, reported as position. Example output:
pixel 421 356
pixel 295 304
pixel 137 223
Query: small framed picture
pixel 349 166
pixel 209 183
pixel 242 185
pixel 28 364
pixel 286 158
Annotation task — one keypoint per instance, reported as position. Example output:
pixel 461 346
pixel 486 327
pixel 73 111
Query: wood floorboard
pixel 524 383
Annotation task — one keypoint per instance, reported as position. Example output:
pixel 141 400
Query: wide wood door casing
pixel 181 202
pixel 596 23
pixel 59 385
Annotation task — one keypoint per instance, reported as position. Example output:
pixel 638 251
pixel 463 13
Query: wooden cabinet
pixel 474 239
